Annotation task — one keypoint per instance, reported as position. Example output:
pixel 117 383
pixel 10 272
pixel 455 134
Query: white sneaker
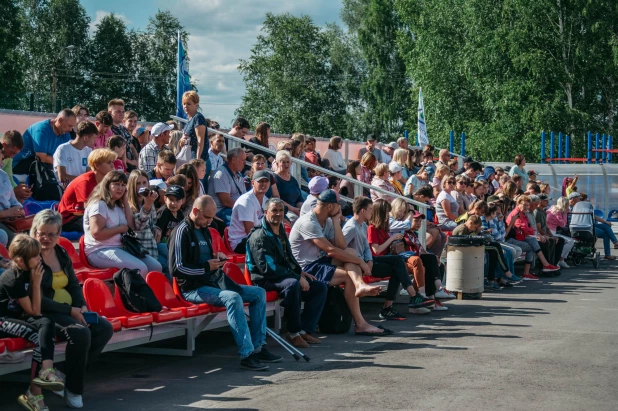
pixel 439 307
pixel 563 264
pixel 12 357
pixel 60 374
pixel 443 294
pixel 73 400
pixel 419 311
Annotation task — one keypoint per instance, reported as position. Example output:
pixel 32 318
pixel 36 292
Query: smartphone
pixel 223 259
pixel 91 317
pixel 144 191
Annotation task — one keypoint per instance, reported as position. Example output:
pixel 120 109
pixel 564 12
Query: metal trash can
pixel 465 264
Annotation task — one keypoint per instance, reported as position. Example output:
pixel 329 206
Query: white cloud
pixel 99 16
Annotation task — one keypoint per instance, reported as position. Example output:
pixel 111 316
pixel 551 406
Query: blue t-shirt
pixel 205 252
pixel 40 138
pixel 289 191
pixel 197 120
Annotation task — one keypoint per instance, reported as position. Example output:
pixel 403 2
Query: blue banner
pixel 183 82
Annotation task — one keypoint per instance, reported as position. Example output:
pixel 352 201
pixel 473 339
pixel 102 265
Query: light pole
pixel 54 80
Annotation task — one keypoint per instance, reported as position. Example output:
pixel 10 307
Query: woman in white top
pixel 334 156
pixel 108 215
pixel 446 205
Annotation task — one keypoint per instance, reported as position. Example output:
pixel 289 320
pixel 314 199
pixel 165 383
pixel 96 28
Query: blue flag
pixel 183 82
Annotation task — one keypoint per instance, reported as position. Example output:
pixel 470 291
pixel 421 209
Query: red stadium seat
pixel 100 300
pixel 219 245
pixel 287 228
pixel 4 252
pixel 203 306
pixel 270 295
pixel 80 262
pixel 15 344
pixel 165 294
pixel 116 324
pixel 2 347
pixel 163 316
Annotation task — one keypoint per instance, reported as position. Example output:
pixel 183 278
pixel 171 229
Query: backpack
pixel 44 182
pixel 136 295
pixel 336 317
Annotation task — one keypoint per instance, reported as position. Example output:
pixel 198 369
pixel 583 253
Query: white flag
pixel 422 127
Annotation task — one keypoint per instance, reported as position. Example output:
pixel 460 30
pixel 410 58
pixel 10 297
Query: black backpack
pixel 44 183
pixel 136 295
pixel 336 317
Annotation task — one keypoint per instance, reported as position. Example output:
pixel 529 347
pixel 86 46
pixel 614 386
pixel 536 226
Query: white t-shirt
pixel 75 161
pixel 246 208
pixel 442 218
pixel 113 218
pixel 306 228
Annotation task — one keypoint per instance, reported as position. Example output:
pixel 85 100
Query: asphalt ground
pixel 544 345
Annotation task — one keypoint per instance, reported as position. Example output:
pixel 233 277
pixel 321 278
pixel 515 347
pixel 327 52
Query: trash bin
pixel 465 261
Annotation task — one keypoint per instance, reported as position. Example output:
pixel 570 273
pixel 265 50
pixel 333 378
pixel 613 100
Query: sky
pixel 221 32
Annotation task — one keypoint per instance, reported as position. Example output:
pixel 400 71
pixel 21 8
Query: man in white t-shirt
pixel 71 158
pixel 248 211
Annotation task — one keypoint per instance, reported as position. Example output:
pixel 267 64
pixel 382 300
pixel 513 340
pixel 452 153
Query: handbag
pixel 397 247
pixel 520 235
pixel 565 231
pixel 131 244
pixel 18 224
pixel 184 155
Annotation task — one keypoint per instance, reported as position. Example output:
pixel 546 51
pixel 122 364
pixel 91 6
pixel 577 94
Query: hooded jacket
pixel 266 258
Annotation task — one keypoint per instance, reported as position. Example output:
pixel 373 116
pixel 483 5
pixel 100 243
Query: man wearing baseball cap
pixel 142 135
pixel 160 137
pixel 316 186
pixel 370 146
pixel 319 246
pixel 388 150
pixel 248 211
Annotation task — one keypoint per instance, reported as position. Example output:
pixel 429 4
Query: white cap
pixel 393 145
pixel 160 128
pixel 394 167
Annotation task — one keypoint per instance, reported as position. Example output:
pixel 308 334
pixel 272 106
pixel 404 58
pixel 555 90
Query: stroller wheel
pixel 596 260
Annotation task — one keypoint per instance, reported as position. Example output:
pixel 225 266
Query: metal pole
pixel 54 90
pixel 604 154
pixel 596 147
pixel 589 154
pixel 463 144
pixel 610 146
pixel 559 147
pixel 552 144
pixel 567 146
pixel 451 145
pixel 542 147
pixel 347 151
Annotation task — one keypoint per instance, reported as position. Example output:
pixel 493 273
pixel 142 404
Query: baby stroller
pixel 582 231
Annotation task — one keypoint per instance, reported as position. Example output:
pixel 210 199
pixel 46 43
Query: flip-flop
pixel 385 331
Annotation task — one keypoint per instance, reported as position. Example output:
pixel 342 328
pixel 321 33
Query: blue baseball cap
pixel 329 197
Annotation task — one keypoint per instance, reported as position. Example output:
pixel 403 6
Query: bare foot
pixel 367 291
pixel 368 328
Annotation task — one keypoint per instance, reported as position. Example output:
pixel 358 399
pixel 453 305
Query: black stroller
pixel 582 231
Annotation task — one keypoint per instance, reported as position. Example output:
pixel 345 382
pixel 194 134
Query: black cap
pixel 371 137
pixel 468 159
pixel 260 174
pixel 545 197
pixel 175 191
pixel 328 196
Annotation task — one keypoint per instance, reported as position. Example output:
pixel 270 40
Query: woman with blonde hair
pixel 289 189
pixel 381 181
pixel 446 206
pixel 440 173
pixel 557 218
pixel 175 138
pixel 400 156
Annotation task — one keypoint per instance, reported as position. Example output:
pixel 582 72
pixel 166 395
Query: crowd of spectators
pixel 170 187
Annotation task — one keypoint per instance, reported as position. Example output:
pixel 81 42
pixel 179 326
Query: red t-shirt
pixel 76 195
pixel 377 236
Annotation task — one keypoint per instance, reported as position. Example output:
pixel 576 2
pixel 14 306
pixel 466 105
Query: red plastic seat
pixel 203 306
pixel 165 294
pixel 100 300
pixel 270 295
pixel 2 347
pixel 368 279
pixel 15 344
pixel 287 228
pixel 163 316
pixel 116 324
pixel 80 262
pixel 4 252
pixel 219 245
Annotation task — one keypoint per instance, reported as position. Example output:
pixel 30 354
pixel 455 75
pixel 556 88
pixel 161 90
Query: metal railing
pixel 358 185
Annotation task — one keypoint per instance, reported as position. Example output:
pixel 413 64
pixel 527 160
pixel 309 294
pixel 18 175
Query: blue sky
pixel 221 32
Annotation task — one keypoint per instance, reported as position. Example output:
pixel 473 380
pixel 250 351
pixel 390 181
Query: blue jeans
pixel 607 234
pixel 225 214
pixel 163 259
pixel 233 302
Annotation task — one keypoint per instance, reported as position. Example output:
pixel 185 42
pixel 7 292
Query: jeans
pixel 525 248
pixel 84 344
pixel 568 244
pixel 225 214
pixel 607 234
pixel 4 237
pixel 163 259
pixel 37 330
pixel 292 294
pixel 233 302
pixel 119 258
pixel 394 267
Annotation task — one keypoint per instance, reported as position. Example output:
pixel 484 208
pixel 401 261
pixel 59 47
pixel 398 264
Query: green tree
pixel 12 93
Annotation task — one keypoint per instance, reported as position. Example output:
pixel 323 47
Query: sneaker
pixel 513 279
pixel 12 357
pixel 486 283
pixel 419 311
pixel 444 294
pixel 439 307
pixel 390 313
pixel 252 363
pixel 530 277
pixel 550 268
pixel 266 356
pixel 563 264
pixel 495 286
pixel 419 301
pixel 73 400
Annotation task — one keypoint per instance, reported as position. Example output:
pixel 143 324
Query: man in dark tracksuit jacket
pixel 197 269
pixel 273 267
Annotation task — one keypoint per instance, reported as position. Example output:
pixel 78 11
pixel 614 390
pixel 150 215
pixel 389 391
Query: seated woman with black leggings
pixel 20 317
pixel 62 302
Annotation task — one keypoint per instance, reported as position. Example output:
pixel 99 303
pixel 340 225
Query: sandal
pixel 32 402
pixel 48 380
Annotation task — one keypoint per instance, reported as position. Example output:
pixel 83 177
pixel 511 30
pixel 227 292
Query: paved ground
pixel 547 345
